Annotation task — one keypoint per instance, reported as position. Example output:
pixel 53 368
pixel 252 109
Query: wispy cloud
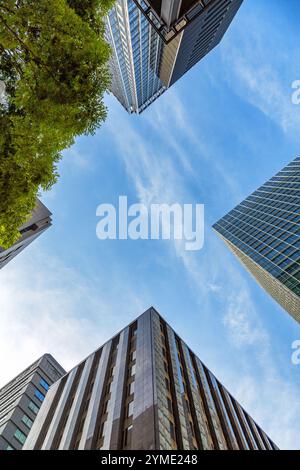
pixel 48 306
pixel 260 78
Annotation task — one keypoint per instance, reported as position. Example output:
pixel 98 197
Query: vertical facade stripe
pixel 143 433
pixel 243 444
pixel 224 418
pixel 53 428
pixel 112 430
pixel 211 412
pixel 256 434
pixel 178 389
pixel 247 431
pixel 93 408
pixel 76 405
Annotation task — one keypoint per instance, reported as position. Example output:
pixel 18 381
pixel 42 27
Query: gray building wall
pixel 143 389
pixel 19 402
pixel 203 34
pixel 39 221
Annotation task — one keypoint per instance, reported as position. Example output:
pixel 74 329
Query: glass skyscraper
pixel 264 233
pixel 136 49
pixel 143 389
pixel 155 42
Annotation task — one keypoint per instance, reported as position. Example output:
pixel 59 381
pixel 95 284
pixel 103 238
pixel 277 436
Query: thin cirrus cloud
pixel 264 79
pixel 241 318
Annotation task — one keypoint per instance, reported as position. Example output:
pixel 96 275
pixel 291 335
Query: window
pixel 192 428
pixel 27 421
pixel 172 430
pixel 167 383
pixel 20 436
pixel 105 405
pixel 132 370
pixel 130 409
pixel 32 406
pixel 188 405
pixel 44 384
pixel 133 356
pixel 9 448
pixel 39 395
pixel 170 408
pixel 131 388
pixel 127 436
pixel 102 429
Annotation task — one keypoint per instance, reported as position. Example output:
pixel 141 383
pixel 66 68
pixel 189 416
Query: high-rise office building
pixel 40 220
pixel 143 389
pixel 264 233
pixel 21 398
pixel 155 42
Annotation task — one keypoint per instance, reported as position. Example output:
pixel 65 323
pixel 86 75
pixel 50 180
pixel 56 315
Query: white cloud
pixel 237 318
pixel 47 306
pixel 260 78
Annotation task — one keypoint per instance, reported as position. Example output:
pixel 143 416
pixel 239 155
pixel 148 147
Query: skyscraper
pixel 264 233
pixel 39 222
pixel 21 399
pixel 155 42
pixel 143 389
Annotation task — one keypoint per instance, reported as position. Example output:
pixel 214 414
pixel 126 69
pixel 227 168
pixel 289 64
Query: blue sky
pixel 221 131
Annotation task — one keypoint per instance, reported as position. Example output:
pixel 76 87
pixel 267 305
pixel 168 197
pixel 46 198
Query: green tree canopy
pixel 53 65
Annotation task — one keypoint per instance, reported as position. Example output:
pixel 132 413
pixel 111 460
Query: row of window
pixel 18 434
pixel 269 266
pixel 129 397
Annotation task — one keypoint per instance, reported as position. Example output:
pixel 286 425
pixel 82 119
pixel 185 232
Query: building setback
pixel 21 398
pixel 143 389
pixel 155 42
pixel 264 233
pixel 39 222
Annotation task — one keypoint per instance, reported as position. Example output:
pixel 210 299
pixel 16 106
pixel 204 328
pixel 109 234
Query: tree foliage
pixel 53 62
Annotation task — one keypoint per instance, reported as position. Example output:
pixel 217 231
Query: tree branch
pixel 36 59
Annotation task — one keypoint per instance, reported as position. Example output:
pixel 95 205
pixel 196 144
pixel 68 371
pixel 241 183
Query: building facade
pixel 264 233
pixel 20 400
pixel 155 42
pixel 136 49
pixel 39 222
pixel 143 389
